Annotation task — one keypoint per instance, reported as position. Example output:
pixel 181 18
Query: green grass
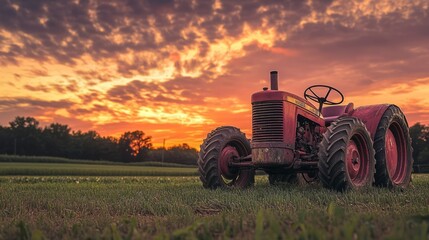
pixel 68 169
pixel 46 159
pixel 179 208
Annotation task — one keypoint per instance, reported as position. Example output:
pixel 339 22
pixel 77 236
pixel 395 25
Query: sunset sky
pixel 178 69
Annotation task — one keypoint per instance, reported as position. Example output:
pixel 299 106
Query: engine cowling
pixel 274 125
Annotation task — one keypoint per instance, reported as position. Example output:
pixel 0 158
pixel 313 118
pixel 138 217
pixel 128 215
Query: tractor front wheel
pixel 346 155
pixel 393 153
pixel 222 146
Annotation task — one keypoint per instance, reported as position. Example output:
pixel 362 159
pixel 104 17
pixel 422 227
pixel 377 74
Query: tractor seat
pixel 331 113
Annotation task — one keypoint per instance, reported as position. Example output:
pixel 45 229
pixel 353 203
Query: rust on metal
pixel 272 155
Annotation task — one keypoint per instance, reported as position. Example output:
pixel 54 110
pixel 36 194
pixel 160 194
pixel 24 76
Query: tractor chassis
pixel 241 163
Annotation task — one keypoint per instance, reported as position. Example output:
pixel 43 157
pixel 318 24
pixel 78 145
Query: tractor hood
pixel 274 95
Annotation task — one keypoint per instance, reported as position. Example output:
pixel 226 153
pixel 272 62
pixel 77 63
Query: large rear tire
pixel 223 145
pixel 346 156
pixel 393 152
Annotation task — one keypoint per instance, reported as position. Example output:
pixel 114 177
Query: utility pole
pixel 14 147
pixel 163 150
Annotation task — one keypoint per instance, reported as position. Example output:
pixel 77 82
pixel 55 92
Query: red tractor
pixel 341 146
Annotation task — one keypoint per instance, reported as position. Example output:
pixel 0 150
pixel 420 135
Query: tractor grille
pixel 267 121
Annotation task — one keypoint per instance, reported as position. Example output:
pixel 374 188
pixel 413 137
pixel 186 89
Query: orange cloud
pixel 101 65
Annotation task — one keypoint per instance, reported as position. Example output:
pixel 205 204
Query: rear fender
pixel 371 116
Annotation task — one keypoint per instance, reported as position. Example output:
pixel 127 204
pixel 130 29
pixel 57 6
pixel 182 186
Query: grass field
pixel 81 169
pixel 70 207
pixel 46 159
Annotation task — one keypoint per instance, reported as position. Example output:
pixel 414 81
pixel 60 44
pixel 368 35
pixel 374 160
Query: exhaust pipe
pixel 274 80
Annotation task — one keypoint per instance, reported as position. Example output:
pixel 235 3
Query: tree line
pixel 420 143
pixel 24 136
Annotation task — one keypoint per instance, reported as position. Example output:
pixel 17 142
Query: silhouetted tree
pixel 56 138
pixel 420 142
pixel 7 142
pixel 134 146
pixel 84 145
pixel 27 136
pixel 182 154
pixel 109 149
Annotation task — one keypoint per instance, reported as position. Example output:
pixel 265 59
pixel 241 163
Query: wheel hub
pixel 395 154
pixel 391 153
pixel 353 160
pixel 227 155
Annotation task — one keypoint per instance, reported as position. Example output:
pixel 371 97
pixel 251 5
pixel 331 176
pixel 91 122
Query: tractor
pixel 343 147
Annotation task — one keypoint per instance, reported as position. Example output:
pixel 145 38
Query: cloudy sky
pixel 177 69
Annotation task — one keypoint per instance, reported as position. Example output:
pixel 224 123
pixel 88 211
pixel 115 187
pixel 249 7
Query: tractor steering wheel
pixel 309 94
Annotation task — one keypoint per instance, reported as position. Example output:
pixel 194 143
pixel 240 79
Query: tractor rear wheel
pixel 219 149
pixel 346 155
pixel 278 178
pixel 393 152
